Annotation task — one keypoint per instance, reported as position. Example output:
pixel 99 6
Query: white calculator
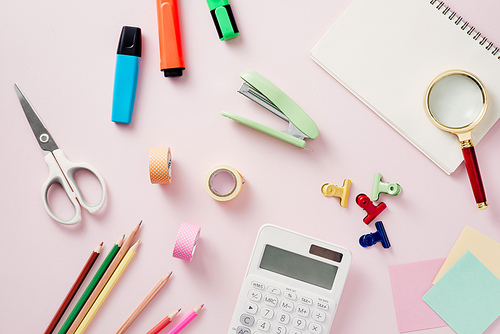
pixel 292 285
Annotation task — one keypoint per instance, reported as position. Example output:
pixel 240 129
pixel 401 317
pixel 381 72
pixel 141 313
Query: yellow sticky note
pixel 484 249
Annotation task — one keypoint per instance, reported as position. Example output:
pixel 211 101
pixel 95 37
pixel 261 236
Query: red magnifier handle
pixel 474 176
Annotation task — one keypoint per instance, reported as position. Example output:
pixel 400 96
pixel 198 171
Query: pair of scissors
pixel 61 170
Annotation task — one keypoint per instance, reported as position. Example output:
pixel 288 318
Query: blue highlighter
pixel 127 72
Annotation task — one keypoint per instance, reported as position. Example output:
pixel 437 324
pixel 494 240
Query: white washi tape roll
pixel 238 182
pixel 185 243
pixel 160 165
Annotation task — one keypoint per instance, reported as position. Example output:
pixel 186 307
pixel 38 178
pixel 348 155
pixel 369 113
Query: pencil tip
pixel 102 243
pixel 140 223
pixel 179 310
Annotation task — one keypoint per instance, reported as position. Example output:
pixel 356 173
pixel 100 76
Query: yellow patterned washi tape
pixel 160 165
pixel 238 182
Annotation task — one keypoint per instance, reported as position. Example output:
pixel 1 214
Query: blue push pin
pixel 384 187
pixel 370 239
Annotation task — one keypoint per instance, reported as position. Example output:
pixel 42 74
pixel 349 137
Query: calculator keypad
pixel 271 309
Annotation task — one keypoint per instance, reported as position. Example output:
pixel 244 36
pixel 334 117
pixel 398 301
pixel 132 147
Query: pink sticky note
pixel 410 282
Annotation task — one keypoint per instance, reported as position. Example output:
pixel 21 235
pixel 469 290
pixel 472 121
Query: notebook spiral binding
pixel 465 26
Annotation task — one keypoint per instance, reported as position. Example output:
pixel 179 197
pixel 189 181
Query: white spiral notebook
pixel 386 52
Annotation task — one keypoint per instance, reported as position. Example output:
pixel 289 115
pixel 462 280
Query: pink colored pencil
pixel 177 328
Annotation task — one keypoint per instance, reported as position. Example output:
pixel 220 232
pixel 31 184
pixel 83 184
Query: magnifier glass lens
pixel 455 101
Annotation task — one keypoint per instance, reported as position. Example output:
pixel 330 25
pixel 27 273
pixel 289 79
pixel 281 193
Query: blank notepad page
pixel 386 52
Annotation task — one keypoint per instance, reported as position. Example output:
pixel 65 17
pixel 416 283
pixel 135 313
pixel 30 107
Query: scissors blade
pixel 41 133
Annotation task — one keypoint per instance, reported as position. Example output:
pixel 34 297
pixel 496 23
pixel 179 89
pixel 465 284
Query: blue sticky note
pixel 467 297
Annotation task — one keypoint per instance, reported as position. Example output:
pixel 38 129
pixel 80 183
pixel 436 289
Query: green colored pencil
pixel 97 277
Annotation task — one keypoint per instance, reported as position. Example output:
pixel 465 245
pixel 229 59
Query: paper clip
pixel 370 239
pixel 267 95
pixel 330 190
pixel 372 211
pixel 384 187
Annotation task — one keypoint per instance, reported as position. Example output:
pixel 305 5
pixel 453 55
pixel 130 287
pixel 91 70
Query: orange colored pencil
pixel 143 304
pixel 126 244
pixel 72 292
pixel 162 324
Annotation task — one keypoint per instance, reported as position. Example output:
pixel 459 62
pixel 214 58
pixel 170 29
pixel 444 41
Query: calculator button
pixel 254 295
pixel 303 310
pixel 306 300
pixel 279 329
pixel 258 285
pixel 270 300
pixel 314 328
pixel 322 305
pixel 283 318
pixel 293 331
pixel 267 312
pixel 274 290
pixel 243 330
pixel 251 307
pixel 290 295
pixel 298 323
pixel 319 315
pixel 247 319
pixel 263 325
pixel 286 305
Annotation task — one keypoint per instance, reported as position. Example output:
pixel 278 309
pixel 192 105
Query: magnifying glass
pixel 456 101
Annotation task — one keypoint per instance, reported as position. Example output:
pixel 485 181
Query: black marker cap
pixel 173 72
pixel 130 42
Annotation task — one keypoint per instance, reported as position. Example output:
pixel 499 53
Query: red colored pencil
pixel 162 324
pixel 74 289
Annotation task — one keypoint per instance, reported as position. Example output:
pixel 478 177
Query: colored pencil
pixel 162 324
pixel 126 244
pixel 74 289
pixel 193 314
pixel 144 303
pixel 107 289
pixel 85 296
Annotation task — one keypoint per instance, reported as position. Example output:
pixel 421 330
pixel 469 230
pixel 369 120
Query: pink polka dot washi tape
pixel 160 165
pixel 185 243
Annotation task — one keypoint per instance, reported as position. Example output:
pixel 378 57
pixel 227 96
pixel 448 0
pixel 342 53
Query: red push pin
pixel 367 205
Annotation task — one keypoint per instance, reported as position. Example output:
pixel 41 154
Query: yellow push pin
pixel 330 190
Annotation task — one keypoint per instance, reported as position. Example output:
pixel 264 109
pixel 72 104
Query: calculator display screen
pixel 298 267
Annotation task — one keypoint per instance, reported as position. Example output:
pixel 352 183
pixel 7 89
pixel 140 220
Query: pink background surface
pixel 62 55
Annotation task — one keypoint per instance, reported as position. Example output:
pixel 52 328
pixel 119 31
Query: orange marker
pixel 169 33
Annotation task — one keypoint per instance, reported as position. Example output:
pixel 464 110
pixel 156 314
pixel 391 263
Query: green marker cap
pixel 223 18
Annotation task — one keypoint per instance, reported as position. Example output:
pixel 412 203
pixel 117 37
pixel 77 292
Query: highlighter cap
pixel 223 18
pixel 130 42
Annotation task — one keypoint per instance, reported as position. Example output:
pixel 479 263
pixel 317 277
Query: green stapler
pixel 266 94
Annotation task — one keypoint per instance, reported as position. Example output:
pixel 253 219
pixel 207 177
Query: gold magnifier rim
pixel 468 127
